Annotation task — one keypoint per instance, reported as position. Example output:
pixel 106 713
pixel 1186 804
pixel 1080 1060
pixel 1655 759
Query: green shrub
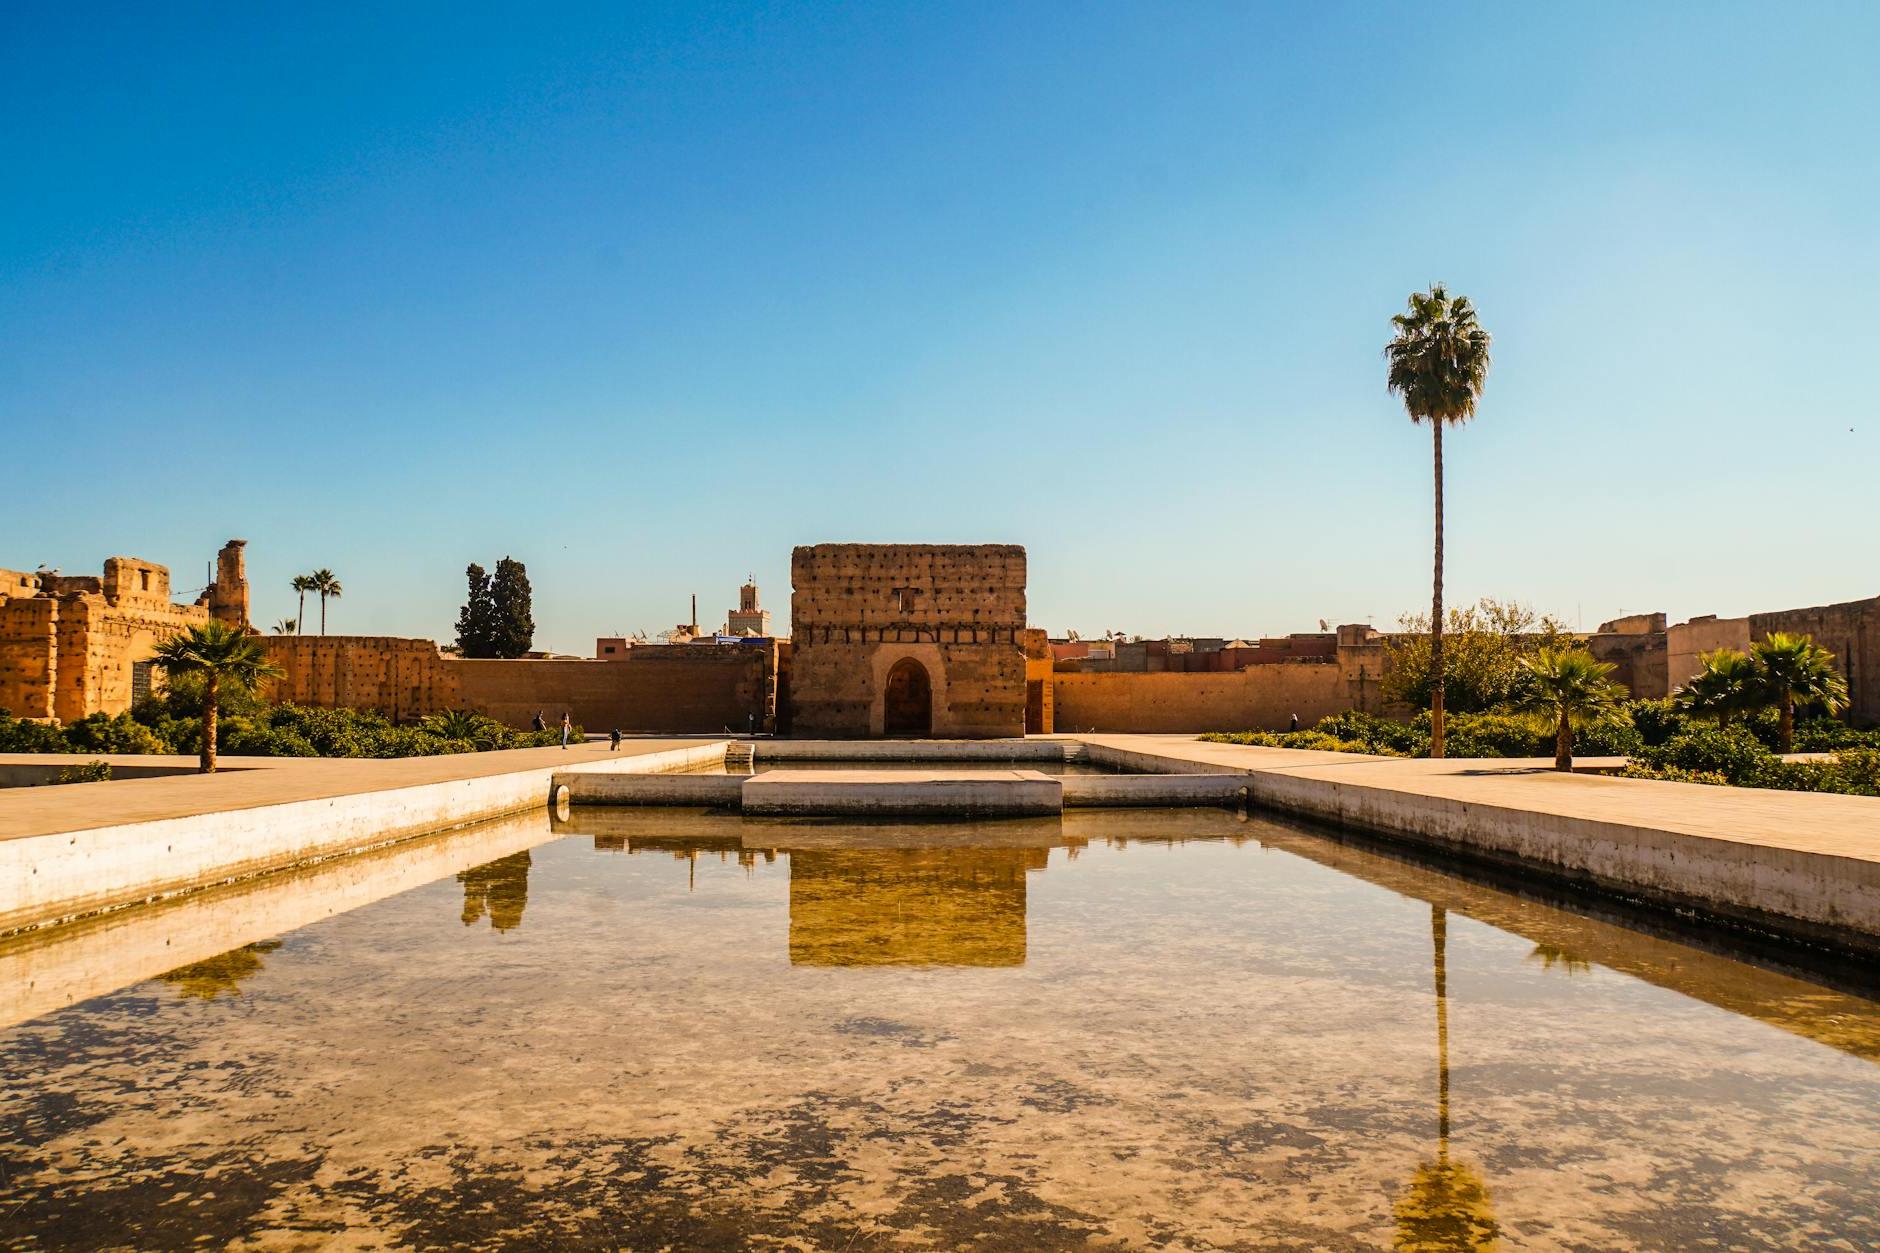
pixel 87 772
pixel 1382 736
pixel 1657 721
pixel 1495 735
pixel 1736 754
pixel 1672 774
pixel 1612 735
pixel 121 734
pixel 17 735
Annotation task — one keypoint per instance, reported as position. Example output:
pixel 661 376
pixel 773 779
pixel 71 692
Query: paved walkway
pixel 250 782
pixel 1813 822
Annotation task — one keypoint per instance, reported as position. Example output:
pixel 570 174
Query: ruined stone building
pixel 75 645
pixel 908 639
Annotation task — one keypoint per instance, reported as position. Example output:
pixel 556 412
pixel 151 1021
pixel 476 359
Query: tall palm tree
pixel 1730 683
pixel 328 587
pixel 302 584
pixel 1798 671
pixel 223 656
pixel 1438 364
pixel 1571 685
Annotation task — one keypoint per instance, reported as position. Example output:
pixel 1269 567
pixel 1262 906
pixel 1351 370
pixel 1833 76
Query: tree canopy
pixel 497 620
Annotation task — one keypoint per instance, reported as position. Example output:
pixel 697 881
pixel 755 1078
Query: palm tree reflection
pixel 499 888
pixel 1446 1206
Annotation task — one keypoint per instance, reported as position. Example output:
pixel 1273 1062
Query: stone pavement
pixel 251 782
pixel 1845 826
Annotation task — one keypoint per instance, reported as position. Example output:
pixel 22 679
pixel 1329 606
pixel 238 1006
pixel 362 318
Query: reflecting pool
pixel 1171 1029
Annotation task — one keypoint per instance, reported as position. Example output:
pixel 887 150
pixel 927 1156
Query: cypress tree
pixel 474 633
pixel 512 626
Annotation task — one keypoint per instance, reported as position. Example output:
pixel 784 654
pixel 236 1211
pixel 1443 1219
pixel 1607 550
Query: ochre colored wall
pixel 692 687
pixel 851 622
pixel 1851 631
pixel 705 688
pixel 1259 698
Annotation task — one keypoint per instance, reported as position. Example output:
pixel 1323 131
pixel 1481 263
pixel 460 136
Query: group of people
pixel 567 728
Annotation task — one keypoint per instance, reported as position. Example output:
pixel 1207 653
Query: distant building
pixel 748 618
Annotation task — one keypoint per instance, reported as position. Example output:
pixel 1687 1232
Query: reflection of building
pixel 748 618
pixel 75 645
pixel 908 639
pixel 910 907
pixel 498 888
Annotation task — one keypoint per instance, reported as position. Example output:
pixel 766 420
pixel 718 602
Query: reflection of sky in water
pixel 1168 1029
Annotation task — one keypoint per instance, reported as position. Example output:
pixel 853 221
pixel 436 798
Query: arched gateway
pixel 907 701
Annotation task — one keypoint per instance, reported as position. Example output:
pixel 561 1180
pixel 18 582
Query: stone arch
pixel 907 699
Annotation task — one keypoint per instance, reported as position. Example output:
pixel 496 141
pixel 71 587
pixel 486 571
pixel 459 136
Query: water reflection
pixel 220 975
pixel 499 889
pixel 1446 1208
pixel 910 907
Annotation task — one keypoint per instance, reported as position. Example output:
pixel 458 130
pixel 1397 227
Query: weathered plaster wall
pixel 1686 641
pixel 1259 698
pixel 959 610
pixel 70 644
pixel 692 687
pixel 1851 631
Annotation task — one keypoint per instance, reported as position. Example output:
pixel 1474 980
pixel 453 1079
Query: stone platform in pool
pixel 939 791
pixel 932 778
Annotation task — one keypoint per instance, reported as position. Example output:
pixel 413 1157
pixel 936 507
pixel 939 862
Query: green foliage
pixel 156 726
pixel 1797 673
pixel 20 736
pixel 1438 357
pixel 1382 736
pixel 1825 735
pixel 1657 720
pixel 497 619
pixel 1483 647
pixel 1733 753
pixel 100 733
pixel 88 772
pixel 1729 684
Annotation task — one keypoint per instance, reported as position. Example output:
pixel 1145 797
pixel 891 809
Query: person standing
pixel 567 729
pixel 1295 723
pixel 615 746
pixel 536 724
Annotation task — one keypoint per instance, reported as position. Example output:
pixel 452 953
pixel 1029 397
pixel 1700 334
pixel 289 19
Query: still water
pixel 1171 1029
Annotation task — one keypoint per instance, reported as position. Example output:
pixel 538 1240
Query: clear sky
pixel 646 295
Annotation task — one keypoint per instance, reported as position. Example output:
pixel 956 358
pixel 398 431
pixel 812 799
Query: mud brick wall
pixel 685 688
pixel 957 609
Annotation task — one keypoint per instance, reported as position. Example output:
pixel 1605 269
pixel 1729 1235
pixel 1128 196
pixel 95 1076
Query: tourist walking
pixel 1295 723
pixel 615 746
pixel 538 724
pixel 567 729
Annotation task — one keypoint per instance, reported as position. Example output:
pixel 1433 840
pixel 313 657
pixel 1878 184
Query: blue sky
pixel 646 295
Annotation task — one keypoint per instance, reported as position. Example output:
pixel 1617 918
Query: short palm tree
pixel 302 584
pixel 1570 685
pixel 456 724
pixel 224 657
pixel 1797 671
pixel 1730 683
pixel 328 588
pixel 286 626
pixel 1438 364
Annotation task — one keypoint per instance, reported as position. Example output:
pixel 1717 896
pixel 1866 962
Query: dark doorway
pixel 907 706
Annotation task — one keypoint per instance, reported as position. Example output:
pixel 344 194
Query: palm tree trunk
pixel 300 622
pixel 1439 945
pixel 210 699
pixel 1788 721
pixel 1436 608
pixel 1563 743
pixel 323 613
